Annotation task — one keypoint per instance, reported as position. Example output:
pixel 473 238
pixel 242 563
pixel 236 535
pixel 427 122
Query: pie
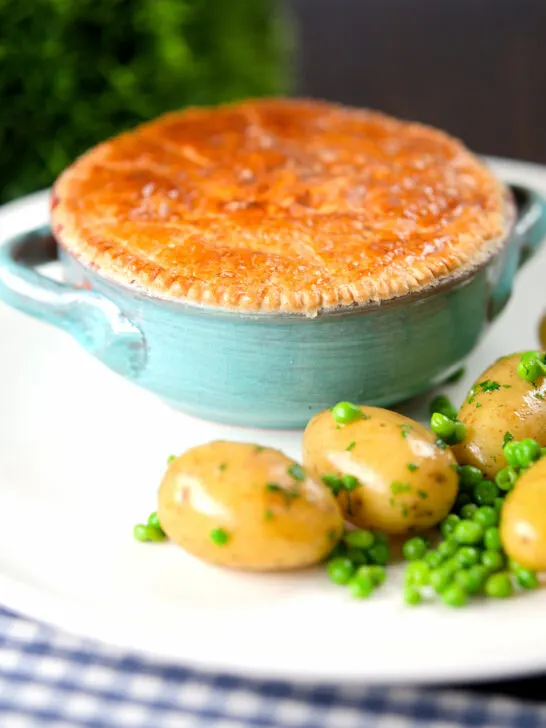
pixel 280 205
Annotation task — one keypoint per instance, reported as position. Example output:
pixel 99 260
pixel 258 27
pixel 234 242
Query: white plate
pixel 81 454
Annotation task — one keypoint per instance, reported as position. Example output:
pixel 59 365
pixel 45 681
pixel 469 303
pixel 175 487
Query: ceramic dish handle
pixel 530 227
pixel 528 234
pixel 94 321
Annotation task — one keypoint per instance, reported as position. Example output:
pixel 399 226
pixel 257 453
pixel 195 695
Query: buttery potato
pixel 523 519
pixel 500 402
pixel 405 482
pixel 248 507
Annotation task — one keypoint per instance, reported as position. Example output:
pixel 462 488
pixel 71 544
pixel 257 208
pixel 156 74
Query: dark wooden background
pixel 476 68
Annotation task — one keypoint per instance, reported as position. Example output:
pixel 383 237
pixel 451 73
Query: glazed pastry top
pixel 280 205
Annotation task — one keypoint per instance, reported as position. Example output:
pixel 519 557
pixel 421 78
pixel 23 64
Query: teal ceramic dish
pixel 271 370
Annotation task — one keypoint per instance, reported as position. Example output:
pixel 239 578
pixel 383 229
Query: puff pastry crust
pixel 280 205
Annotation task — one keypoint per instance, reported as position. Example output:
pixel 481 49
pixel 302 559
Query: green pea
pixel 531 366
pixel 379 574
pixel 346 412
pixel 467 556
pixel 433 559
pixel 442 404
pixel 469 475
pixel 357 556
pixel 468 532
pixel 459 433
pixel 493 560
pixel 485 493
pixel 468 510
pixel 506 478
pixel 451 566
pixel 491 539
pixel 376 573
pixel 440 578
pixel 454 596
pixel 412 596
pixel 472 579
pixel 143 532
pixel 340 570
pixel 449 524
pixel 527 579
pixel 499 586
pixel 360 539
pixel 414 548
pixel 461 501
pixel 339 550
pixel 153 520
pixel 447 548
pixel 361 587
pixel 379 554
pixel 140 532
pixel 417 573
pixel 498 504
pixel 442 426
pixel 529 451
pixel 486 515
pixel 219 536
pixel 511 452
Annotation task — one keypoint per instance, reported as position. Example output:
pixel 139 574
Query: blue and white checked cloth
pixel 50 679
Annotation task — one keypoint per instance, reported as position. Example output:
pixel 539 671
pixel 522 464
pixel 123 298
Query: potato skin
pixel 516 407
pixel 523 519
pixel 274 521
pixel 385 444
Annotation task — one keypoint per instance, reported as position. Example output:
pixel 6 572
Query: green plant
pixel 74 72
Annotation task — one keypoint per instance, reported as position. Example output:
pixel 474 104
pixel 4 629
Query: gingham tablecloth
pixel 48 678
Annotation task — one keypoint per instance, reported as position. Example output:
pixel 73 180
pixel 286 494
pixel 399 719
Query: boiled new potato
pixel 523 519
pixel 248 507
pixel 404 481
pixel 500 402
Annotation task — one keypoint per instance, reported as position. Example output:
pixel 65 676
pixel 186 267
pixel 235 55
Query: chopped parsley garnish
pixel 412 467
pixel 259 448
pixel 171 458
pixel 488 386
pixel 288 494
pixel 351 445
pixel 422 494
pixel 349 482
pixel 538 395
pixel 268 515
pixel 222 466
pixel 219 537
pixel 296 471
pixel 397 487
pixel 508 437
pixel 332 482
pixel 406 429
